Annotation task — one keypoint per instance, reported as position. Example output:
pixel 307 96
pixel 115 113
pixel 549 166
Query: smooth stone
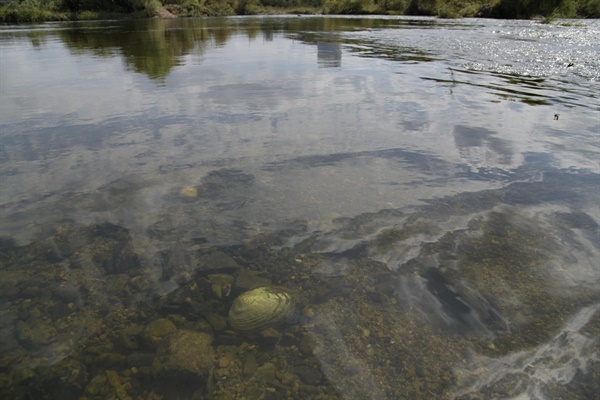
pixel 247 280
pixel 218 322
pixel 96 385
pixel 308 375
pixel 224 362
pixel 125 342
pixel 265 373
pixel 115 381
pixel 270 336
pixel 219 261
pixel 190 192
pixel 307 344
pixel 158 330
pixel 68 293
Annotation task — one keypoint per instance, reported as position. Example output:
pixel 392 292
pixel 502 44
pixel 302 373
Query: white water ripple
pixel 531 371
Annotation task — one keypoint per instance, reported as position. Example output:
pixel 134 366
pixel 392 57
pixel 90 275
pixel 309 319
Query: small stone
pixel 366 333
pixel 68 293
pixel 189 192
pixel 96 384
pixel 223 362
pixel 307 344
pixel 184 352
pixel 247 280
pixel 218 260
pixel 218 322
pixel 308 375
pixel 287 378
pixel 309 312
pixel 115 382
pixel 265 373
pixel 270 335
pixel 157 330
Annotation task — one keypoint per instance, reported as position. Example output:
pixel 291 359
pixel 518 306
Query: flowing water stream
pixel 426 190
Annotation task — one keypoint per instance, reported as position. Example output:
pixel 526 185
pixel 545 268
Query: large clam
pixel 260 308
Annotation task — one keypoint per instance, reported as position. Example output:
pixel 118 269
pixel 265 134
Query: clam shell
pixel 260 308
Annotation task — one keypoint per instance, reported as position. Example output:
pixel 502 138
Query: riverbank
pixel 76 10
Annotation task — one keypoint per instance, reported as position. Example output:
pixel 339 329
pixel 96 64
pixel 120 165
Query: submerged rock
pixel 34 333
pixel 183 354
pixel 157 330
pixel 65 380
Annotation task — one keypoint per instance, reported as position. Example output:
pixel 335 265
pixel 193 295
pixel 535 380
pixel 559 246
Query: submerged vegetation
pixel 45 10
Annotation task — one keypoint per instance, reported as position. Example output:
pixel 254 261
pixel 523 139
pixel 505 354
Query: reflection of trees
pixel 155 46
pixel 152 47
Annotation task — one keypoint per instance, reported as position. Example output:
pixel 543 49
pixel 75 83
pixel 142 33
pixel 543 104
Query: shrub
pixel 395 6
pixel 589 8
pixel 345 6
pixel 423 7
pixel 31 11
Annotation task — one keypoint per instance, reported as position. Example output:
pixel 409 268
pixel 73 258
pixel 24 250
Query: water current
pixel 426 190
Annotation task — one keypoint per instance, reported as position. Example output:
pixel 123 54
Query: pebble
pixel 309 312
pixel 189 192
pixel 223 362
pixel 250 364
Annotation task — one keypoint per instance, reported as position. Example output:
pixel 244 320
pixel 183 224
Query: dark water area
pixel 420 196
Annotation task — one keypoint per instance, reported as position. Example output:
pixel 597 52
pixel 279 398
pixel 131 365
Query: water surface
pixel 427 189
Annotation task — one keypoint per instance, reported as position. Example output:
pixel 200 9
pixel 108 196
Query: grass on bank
pixel 13 11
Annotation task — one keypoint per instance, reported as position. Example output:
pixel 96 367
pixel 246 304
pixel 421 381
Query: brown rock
pixel 184 352
pixel 158 330
pixel 265 373
pixel 248 280
pixel 307 344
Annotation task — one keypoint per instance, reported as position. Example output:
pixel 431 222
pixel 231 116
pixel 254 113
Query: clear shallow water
pixel 418 162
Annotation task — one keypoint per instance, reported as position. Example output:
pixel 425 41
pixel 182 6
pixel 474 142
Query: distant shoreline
pixel 32 11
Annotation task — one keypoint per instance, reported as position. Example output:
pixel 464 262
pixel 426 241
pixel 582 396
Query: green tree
pixel 589 8
pixel 423 7
pixel 528 8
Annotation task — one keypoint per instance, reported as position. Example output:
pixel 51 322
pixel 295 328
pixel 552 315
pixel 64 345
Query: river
pixel 425 190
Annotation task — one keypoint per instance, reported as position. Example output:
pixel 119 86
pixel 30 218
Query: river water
pixel 426 190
